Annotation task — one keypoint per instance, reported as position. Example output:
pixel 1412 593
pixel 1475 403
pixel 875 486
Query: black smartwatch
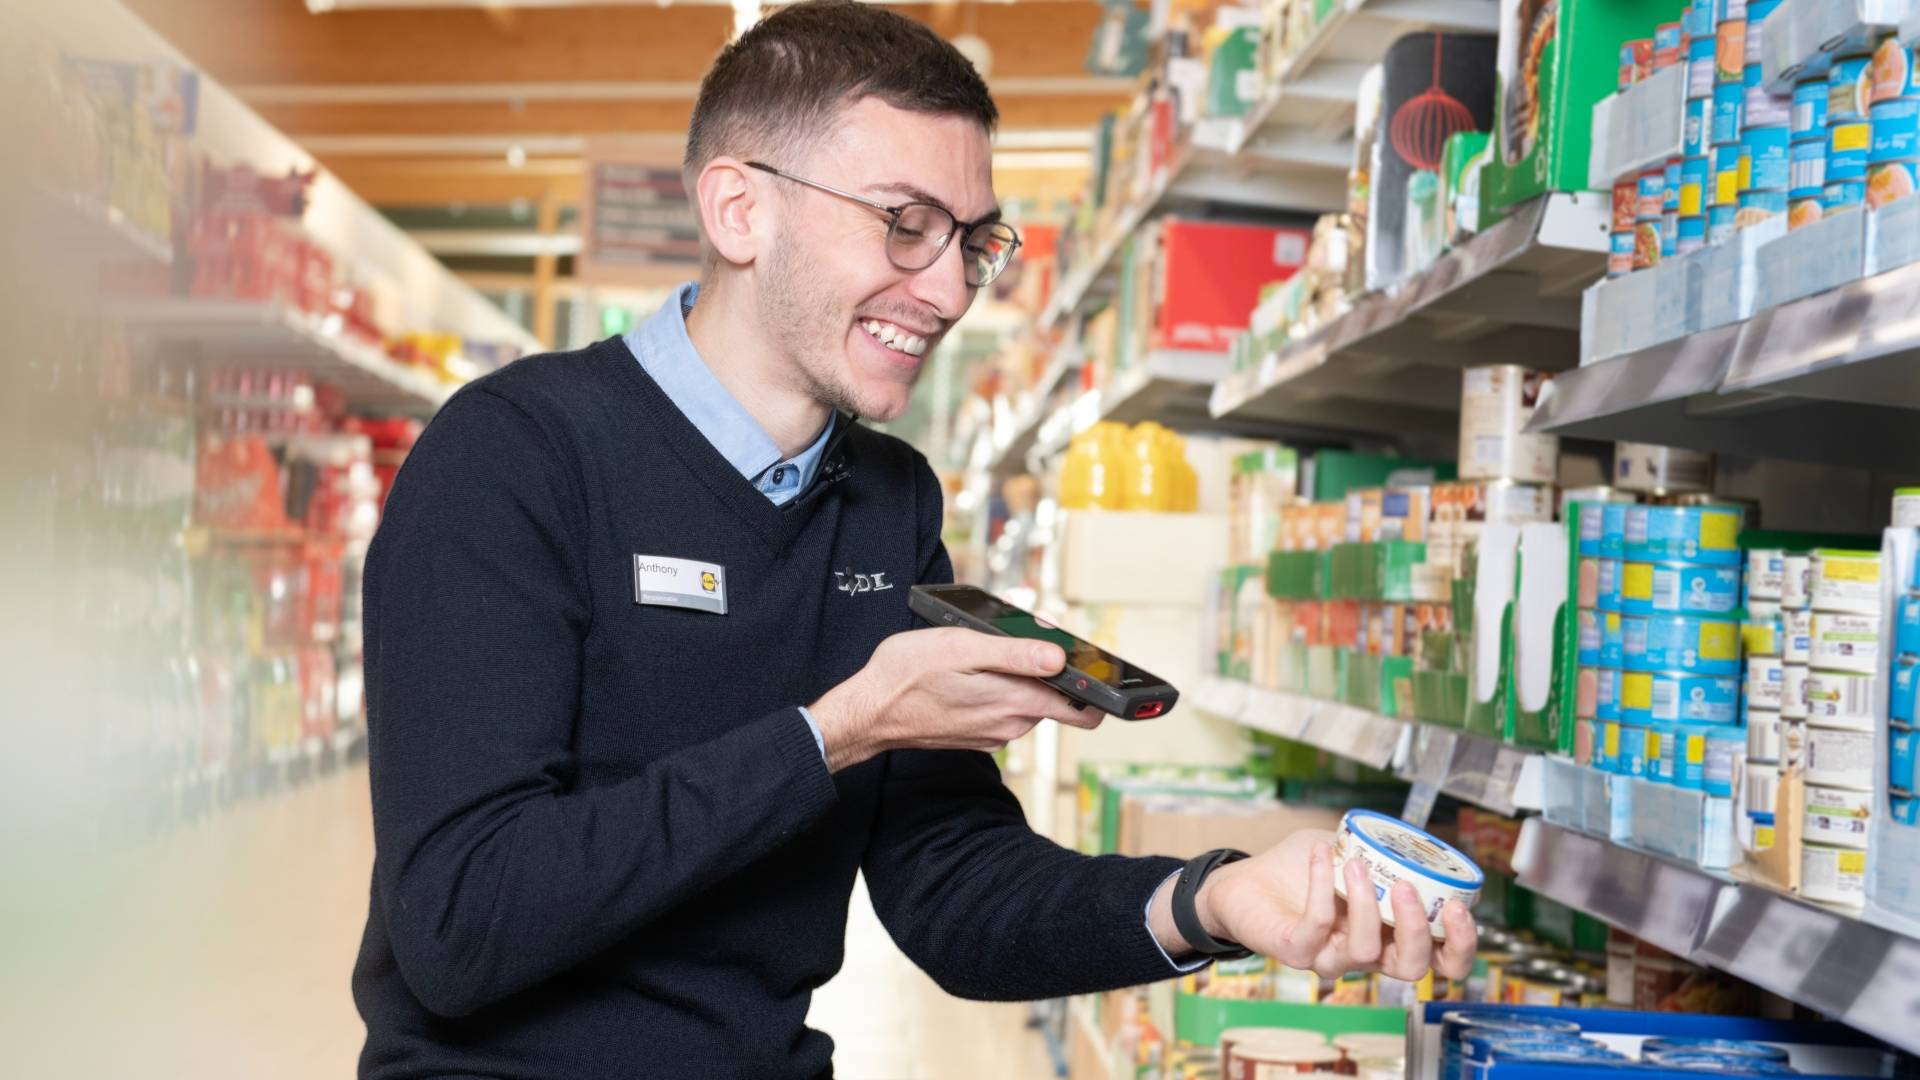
pixel 1187 920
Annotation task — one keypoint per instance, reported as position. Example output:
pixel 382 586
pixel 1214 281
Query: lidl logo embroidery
pixel 708 582
pixel 852 584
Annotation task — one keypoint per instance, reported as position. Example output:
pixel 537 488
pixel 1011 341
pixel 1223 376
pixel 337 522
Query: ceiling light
pixel 516 155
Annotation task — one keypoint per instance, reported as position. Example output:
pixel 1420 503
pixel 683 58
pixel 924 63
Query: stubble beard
pixel 801 319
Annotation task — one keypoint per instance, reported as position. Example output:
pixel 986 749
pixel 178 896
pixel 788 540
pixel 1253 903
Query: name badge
pixel 668 582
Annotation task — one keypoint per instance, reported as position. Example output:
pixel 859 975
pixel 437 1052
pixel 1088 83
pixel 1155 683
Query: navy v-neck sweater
pixel 606 844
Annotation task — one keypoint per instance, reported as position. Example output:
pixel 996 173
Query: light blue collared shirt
pixel 667 355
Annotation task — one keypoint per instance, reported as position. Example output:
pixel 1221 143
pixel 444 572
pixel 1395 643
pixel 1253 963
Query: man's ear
pixel 732 214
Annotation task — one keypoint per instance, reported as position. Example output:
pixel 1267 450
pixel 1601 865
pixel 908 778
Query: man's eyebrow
pixel 919 194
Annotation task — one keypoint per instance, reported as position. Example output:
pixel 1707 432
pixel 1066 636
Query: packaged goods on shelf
pixel 1110 466
pixel 1497 403
pixel 1434 85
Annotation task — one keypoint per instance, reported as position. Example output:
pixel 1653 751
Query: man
pixel 630 743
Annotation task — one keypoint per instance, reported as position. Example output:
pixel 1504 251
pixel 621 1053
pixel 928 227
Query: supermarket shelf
pixel 79 228
pixel 1281 173
pixel 1488 774
pixel 1836 369
pixel 1167 385
pixel 1822 957
pixel 1392 362
pixel 241 334
pixel 1318 84
pixel 1010 456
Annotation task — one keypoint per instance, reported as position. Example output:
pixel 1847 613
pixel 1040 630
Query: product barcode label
pixel 1666 700
pixel 1666 590
pixel 1489 447
pixel 1838 696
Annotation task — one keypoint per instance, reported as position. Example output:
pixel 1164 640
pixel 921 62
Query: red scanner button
pixel 1149 710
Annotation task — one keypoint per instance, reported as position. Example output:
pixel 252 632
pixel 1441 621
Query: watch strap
pixel 1187 920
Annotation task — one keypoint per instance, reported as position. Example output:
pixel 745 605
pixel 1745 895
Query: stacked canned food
pixel 1849 134
pixel 1729 108
pixel 1601 646
pixel 1807 155
pixel 1474 1045
pixel 1903 695
pixel 1836 696
pixel 1680 687
pixel 1765 130
pixel 1647 206
pixel 1894 118
pixel 1772 639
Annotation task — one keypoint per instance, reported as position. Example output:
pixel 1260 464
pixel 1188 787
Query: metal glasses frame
pixel 963 228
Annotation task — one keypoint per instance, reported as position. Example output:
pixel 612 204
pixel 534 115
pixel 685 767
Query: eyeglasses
pixel 918 234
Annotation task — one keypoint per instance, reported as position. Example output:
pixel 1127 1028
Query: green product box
pixel 1233 77
pixel 1323 672
pixel 1102 159
pixel 1396 686
pixel 1557 59
pixel 1381 572
pixel 1232 578
pixel 1460 166
pixel 1335 472
pixel 1298 575
pixel 1440 698
pixel 1293 667
pixel 1360 680
pixel 1198 1021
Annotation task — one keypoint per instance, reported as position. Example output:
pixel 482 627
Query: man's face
pixel 857 328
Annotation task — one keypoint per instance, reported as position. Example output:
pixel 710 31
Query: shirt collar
pixel 667 355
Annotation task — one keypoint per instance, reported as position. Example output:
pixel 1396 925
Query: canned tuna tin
pixel 1606 748
pixel 1730 1047
pixel 1690 235
pixel 1893 73
pixel 1586 689
pixel 1849 89
pixel 1842 759
pixel 1757 12
pixel 1838 816
pixel 1807 169
pixel 1793 695
pixel 1762 109
pixel 1651 195
pixel 1904 699
pixel 1839 580
pixel 1729 105
pixel 1804 212
pixel 1673 697
pixel 1632 760
pixel 1393 851
pixel 1613 530
pixel 1905 811
pixel 1763 735
pixel 1758 206
pixel 1840 701
pixel 1697 132
pixel 1842 195
pixel 1609 598
pixel 1620 253
pixel 1846 642
pixel 1607 707
pixel 1613 639
pixel 1891 181
pixel 1455 1026
pixel 1764 160
pixel 1724 746
pixel 1662 745
pixel 1833 875
pixel 1587 585
pixel 1765 679
pixel 1896 130
pixel 1593 525
pixel 1700 64
pixel 1670 188
pixel 1809 109
pixel 1726 175
pixel 1689 769
pixel 1684 643
pixel 1848 145
pixel 1669 233
pixel 1636 61
pixel 1903 758
pixel 1796 636
pixel 1704 535
pixel 1694 175
pixel 1766 573
pixel 1722 221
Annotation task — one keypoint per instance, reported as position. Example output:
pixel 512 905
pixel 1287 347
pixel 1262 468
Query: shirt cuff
pixel 813 725
pixel 1146 913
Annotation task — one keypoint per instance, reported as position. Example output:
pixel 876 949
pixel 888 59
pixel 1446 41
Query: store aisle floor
pixel 223 949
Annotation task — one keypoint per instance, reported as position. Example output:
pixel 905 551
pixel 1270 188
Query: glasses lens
pixel 918 236
pixel 988 252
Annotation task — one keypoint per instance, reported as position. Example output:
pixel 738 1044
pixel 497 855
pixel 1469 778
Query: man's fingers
pixel 971 650
pixel 1363 916
pixel 1455 959
pixel 1315 925
pixel 1412 951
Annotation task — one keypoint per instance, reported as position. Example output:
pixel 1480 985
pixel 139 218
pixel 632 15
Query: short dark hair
pixel 784 82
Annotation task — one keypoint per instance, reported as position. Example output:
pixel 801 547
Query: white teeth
pixel 895 338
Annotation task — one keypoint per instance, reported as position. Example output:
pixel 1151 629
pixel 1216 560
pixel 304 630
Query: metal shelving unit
pixel 223 333
pixel 1392 363
pixel 1822 957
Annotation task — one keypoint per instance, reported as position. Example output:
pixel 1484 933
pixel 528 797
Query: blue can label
pixel 1652 187
pixel 1723 756
pixel 1694 134
pixel 1669 234
pixel 1759 205
pixel 1810 109
pixel 1613 530
pixel 1729 10
pixel 1722 222
pixel 1682 643
pixel 1807 169
pixel 1633 642
pixel 1634 536
pixel 1608 704
pixel 1843 195
pixel 1849 89
pixel 1692 234
pixel 1633 751
pixel 1671 190
pixel 1891 180
pixel 1726 175
pixel 1620 254
pixel 1694 175
pixel 1609 598
pixel 1764 160
pixel 1896 130
pixel 1848 146
pixel 1762 109
pixel 1704 535
pixel 1587 647
pixel 1613 641
pixel 1592 527
pixel 1729 104
pixel 1689 757
pixel 1675 697
pixel 1693 590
